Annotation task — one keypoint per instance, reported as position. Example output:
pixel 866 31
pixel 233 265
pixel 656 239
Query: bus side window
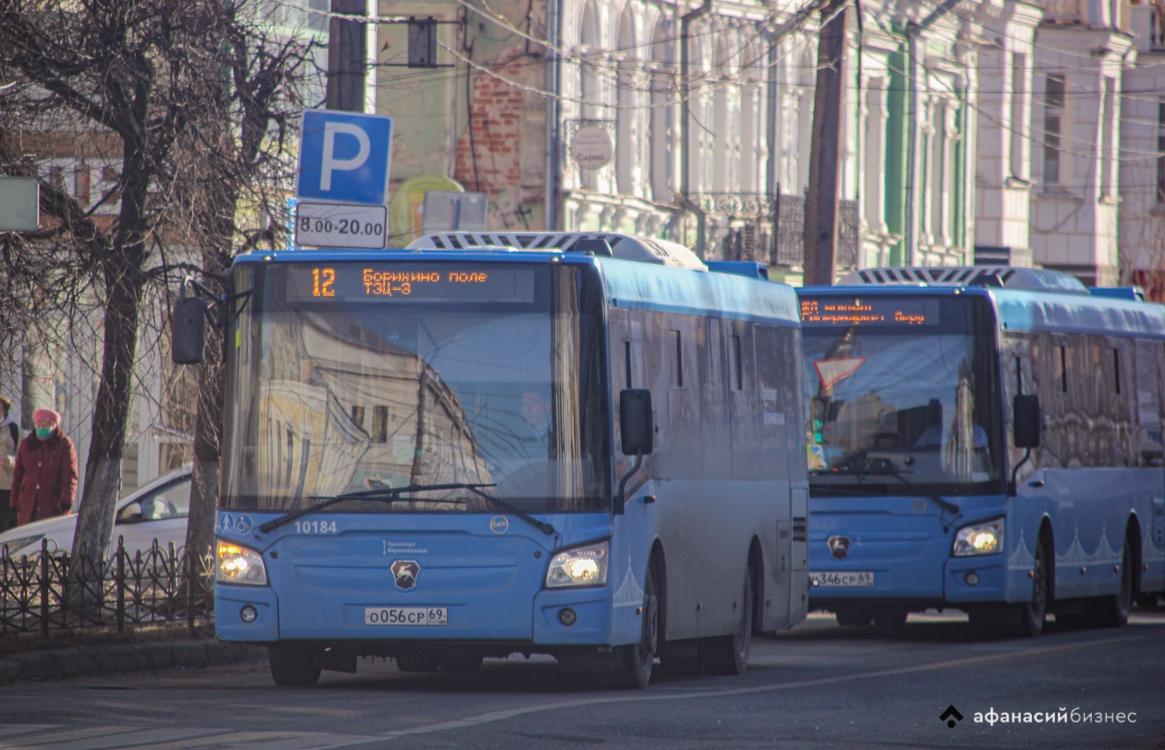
pixel 627 380
pixel 1148 371
pixel 737 363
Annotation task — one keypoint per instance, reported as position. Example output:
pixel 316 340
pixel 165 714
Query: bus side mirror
pixel 636 426
pixel 188 330
pixel 1026 417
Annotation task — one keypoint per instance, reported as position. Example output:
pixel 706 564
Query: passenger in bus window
pixel 536 419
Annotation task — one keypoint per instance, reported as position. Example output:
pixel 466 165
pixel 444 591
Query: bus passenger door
pixel 797 580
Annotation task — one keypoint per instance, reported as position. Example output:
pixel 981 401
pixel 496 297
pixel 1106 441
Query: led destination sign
pixel 869 311
pixel 399 282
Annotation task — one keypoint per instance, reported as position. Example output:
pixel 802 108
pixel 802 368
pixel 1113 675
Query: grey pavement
pixel 98 658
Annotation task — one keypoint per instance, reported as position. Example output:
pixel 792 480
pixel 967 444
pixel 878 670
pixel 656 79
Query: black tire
pixel 728 654
pixel 461 664
pixel 292 666
pixel 1113 611
pixel 990 619
pixel 687 662
pixel 1148 601
pixel 853 618
pixel 890 621
pixel 417 663
pixel 1033 613
pixel 637 661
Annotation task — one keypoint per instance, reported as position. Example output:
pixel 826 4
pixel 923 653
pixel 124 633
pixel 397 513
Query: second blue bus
pixel 984 439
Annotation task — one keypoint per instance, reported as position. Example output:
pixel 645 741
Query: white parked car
pixel 157 510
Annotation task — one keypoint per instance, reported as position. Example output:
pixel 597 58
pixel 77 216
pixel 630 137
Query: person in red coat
pixel 44 480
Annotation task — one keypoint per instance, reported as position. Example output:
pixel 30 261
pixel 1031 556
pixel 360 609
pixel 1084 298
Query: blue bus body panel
pixel 491 583
pixel 904 541
pixel 639 285
pixel 627 283
pixel 1089 535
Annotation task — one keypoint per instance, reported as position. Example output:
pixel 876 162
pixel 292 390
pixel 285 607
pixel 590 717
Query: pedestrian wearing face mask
pixel 44 480
pixel 9 439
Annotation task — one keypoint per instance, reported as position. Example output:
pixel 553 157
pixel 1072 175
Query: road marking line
pixel 45 734
pixel 24 728
pixel 501 715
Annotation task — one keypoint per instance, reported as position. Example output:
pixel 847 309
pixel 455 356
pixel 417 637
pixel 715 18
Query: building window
pixel 626 114
pixel 588 84
pixel 661 117
pixel 1108 95
pixel 379 433
pixel 1161 151
pixel 941 177
pixel 1018 99
pixel 874 154
pixel 1053 122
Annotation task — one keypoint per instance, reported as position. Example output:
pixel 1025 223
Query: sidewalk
pixel 97 658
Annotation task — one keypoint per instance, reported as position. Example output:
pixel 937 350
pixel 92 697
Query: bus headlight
pixel 979 539
pixel 580 566
pixel 239 565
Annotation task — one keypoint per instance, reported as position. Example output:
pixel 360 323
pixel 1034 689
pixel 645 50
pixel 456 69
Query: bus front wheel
pixel 1033 612
pixel 638 660
pixel 292 665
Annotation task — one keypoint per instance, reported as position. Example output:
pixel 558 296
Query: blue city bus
pixel 984 439
pixel 585 445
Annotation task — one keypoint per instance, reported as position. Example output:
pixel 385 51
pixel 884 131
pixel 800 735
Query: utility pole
pixel 347 52
pixel 822 206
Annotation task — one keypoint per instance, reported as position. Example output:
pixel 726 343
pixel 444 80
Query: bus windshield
pixel 902 395
pixel 350 377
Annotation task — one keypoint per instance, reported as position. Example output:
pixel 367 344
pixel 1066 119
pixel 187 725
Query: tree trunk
pixel 124 284
pixel 207 444
pixel 103 469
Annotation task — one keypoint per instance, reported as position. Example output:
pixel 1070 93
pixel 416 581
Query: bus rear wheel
pixel 1114 610
pixel 728 654
pixel 292 666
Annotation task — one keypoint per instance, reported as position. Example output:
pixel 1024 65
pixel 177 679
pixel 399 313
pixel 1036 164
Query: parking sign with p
pixel 344 157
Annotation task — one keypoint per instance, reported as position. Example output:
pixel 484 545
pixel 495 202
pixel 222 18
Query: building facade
pixel 1083 49
pixel 708 112
pixel 1142 174
pixel 1003 165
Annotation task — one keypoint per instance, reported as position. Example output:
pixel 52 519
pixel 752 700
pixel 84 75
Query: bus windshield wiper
pixel 497 502
pixel 880 467
pixel 391 494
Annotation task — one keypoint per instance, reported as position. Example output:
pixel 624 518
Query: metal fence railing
pixel 46 593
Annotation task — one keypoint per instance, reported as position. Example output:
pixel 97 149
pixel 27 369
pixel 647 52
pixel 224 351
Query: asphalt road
pixel 817 686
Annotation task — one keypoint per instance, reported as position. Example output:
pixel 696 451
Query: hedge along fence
pixel 39 593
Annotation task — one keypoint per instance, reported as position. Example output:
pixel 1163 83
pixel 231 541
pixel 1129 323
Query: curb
pixel 79 661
